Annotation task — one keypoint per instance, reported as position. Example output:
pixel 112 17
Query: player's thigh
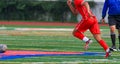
pixel 95 29
pixel 81 26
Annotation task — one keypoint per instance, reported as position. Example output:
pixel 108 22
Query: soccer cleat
pixel 108 54
pixel 113 48
pixel 87 44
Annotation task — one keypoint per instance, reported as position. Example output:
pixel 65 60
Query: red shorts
pixel 90 23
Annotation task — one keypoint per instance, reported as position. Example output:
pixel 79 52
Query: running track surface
pixel 40 23
pixel 15 54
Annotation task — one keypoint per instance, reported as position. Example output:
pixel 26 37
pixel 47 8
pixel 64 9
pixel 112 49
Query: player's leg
pixel 95 30
pixel 113 37
pixel 119 39
pixel 112 25
pixel 82 37
pixel 101 41
pixel 78 32
pixel 118 28
pixel 103 44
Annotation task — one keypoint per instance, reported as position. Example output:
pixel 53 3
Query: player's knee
pixel 78 34
pixel 97 37
pixel 74 33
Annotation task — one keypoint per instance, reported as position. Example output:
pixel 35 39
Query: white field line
pixel 45 29
pixel 41 29
pixel 8 38
pixel 36 29
pixel 50 29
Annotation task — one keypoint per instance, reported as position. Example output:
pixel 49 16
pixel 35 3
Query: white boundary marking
pixel 45 29
pixel 36 29
pixel 41 29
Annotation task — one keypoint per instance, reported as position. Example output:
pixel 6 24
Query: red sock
pixel 103 44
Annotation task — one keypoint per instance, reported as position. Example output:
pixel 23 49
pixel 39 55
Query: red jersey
pixel 81 9
pixel 86 22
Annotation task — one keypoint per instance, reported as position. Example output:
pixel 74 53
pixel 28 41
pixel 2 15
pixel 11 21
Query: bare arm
pixel 72 8
pixel 88 8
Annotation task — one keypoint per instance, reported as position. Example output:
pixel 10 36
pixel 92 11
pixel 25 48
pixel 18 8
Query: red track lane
pixel 18 52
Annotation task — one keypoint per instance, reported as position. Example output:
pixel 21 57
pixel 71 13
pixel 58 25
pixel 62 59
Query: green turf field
pixel 50 40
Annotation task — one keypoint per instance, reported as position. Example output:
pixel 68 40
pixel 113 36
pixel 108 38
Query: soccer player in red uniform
pixel 88 21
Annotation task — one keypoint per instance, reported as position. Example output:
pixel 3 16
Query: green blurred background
pixel 37 10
